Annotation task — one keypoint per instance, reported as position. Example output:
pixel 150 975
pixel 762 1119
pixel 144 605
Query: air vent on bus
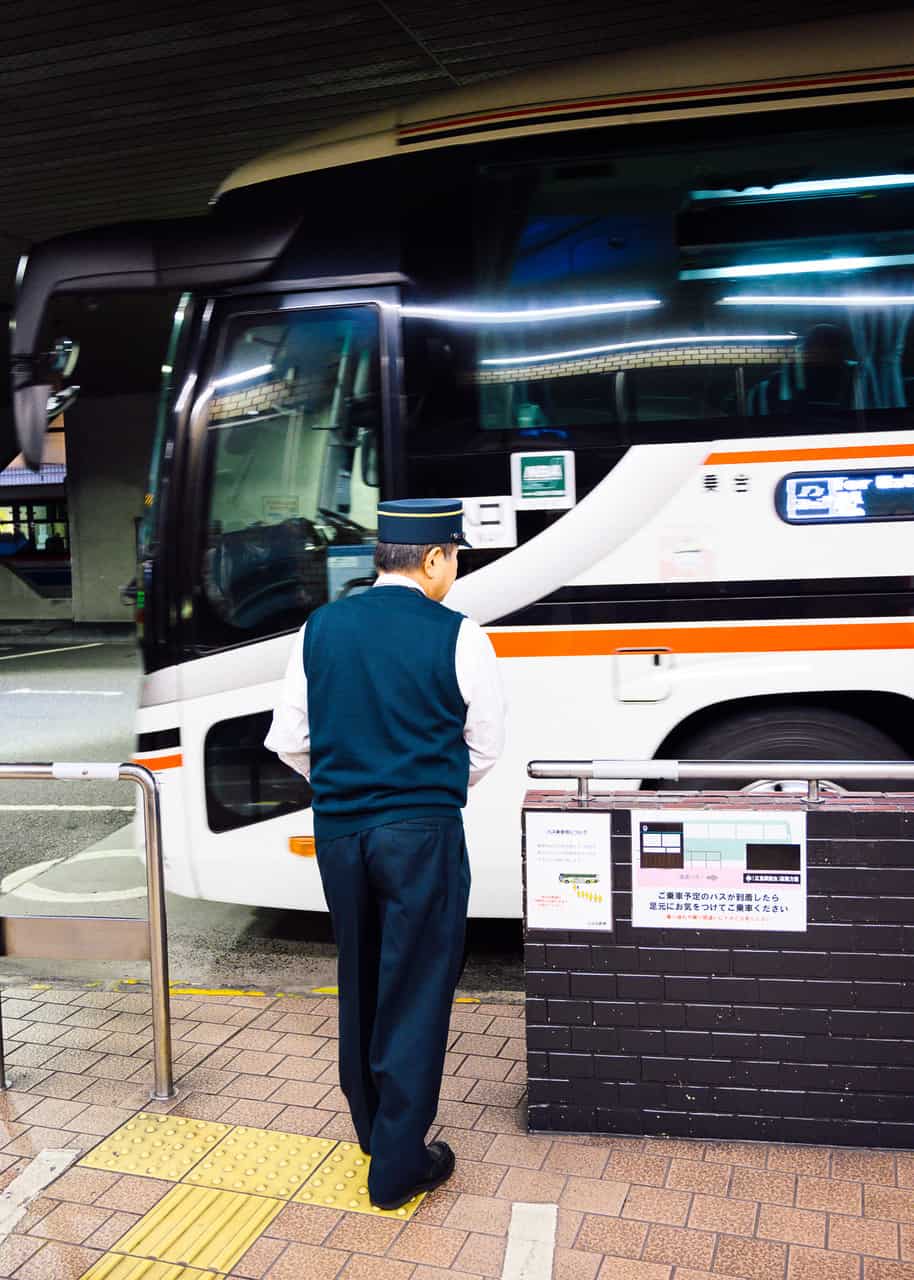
pixel 711 481
pixel 741 484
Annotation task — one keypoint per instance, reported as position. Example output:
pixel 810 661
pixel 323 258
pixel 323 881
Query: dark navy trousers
pixel 398 900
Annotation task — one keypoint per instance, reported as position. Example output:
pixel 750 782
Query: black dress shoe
pixel 441 1168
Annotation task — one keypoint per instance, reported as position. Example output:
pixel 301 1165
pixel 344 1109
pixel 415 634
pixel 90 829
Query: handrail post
pixel 156 942
pixel 163 1072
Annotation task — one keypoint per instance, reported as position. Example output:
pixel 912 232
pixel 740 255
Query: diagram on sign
pixel 569 870
pixel 583 886
pixel 739 869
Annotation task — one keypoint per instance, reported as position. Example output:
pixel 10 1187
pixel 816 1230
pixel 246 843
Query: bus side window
pixel 245 783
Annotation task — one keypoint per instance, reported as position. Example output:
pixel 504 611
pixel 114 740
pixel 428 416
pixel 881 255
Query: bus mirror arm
pixel 30 408
pixel 185 253
pixel 91 260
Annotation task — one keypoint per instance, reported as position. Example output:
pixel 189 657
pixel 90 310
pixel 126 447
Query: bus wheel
pixel 790 733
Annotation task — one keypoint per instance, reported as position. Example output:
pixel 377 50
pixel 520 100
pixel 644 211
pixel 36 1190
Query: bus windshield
pixel 152 497
pixel 293 447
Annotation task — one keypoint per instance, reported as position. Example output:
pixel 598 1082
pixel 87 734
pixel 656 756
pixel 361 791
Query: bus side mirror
pixel 36 404
pixel 368 454
pixel 60 401
pixel 30 409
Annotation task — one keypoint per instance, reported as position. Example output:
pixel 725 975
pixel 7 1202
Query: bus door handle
pixel 642 674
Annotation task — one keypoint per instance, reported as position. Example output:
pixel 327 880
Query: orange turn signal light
pixel 304 846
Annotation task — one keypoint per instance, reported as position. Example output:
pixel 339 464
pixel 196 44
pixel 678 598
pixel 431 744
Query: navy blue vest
pixel 385 711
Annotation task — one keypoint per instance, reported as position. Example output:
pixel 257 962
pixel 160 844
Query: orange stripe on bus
pixel 155 763
pixel 813 455
pixel 799 638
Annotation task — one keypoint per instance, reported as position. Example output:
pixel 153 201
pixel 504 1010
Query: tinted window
pixel 162 443
pixel 619 285
pixel 293 467
pixel 245 782
pixel 35 543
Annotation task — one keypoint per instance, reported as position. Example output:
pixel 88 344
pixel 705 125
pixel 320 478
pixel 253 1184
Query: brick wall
pixel 802 1037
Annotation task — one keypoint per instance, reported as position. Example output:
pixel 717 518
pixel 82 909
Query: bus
pixel 649 316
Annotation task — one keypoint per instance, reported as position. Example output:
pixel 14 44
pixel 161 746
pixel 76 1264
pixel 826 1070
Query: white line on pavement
pixel 60 693
pixel 67 808
pixel 14 1200
pixel 64 648
pixel 39 893
pixel 100 855
pixel 531 1242
pixel 12 881
pixel 20 876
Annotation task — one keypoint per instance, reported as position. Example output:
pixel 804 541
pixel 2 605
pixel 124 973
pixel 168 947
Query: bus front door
pixel 289 436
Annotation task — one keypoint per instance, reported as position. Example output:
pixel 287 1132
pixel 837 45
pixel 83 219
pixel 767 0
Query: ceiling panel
pixel 138 109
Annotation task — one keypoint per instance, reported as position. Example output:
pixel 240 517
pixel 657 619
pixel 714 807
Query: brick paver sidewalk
pixel 628 1209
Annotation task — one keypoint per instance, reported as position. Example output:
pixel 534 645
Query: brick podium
pixel 799 1036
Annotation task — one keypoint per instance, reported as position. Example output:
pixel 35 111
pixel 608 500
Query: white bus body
pixel 681 277
pixel 625 700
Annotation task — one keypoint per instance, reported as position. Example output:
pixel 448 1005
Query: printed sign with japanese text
pixel 569 870
pixel 733 869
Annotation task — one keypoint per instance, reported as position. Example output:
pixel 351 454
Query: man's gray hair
pixel 401 557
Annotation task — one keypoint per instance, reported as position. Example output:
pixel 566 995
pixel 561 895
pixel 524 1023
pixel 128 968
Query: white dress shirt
pixel 477 678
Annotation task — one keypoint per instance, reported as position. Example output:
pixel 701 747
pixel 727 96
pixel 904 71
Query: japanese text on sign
pixel 739 869
pixel 569 870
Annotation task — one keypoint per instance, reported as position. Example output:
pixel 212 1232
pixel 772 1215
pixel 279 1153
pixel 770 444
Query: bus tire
pixel 791 733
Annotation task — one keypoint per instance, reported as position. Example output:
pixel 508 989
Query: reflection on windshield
pixel 294 429
pixel 160 445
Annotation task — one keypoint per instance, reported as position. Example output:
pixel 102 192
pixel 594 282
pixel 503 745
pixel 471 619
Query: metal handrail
pixel 156 938
pixel 810 771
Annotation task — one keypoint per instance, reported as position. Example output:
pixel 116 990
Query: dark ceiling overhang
pixel 126 110
pixel 135 110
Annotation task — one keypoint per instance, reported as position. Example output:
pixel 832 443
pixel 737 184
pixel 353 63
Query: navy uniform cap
pixel 421 521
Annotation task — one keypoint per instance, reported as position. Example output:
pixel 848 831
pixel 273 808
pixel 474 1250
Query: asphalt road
pixel 64 704
pixel 67 848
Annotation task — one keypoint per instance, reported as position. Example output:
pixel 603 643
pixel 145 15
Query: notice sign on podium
pixel 569 870
pixel 733 869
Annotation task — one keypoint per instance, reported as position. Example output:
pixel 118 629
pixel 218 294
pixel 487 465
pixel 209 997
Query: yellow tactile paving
pixel 341 1182
pixel 156 1146
pixel 200 1227
pixel 116 1266
pixel 261 1161
pixel 232 1181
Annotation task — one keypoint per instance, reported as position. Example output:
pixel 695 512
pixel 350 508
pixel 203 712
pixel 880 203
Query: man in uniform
pixel 392 706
